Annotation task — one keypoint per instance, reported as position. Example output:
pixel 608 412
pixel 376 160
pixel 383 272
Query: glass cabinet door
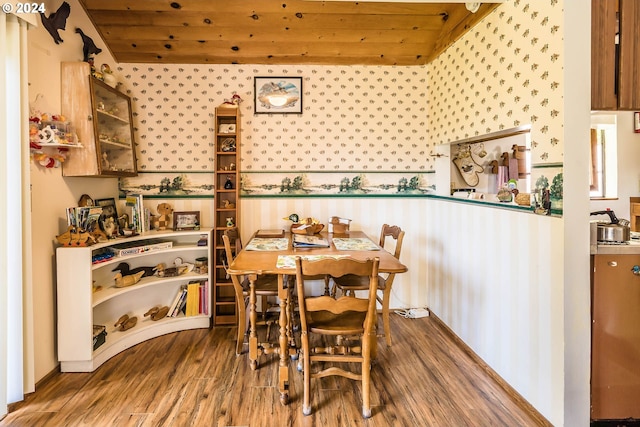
pixel 103 120
pixel 113 130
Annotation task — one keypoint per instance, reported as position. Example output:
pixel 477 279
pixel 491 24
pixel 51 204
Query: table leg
pixel 253 318
pixel 283 370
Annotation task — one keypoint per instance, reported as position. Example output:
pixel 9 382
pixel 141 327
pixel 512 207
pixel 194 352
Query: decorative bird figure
pixel 293 218
pixel 88 47
pixel 124 268
pixel 56 21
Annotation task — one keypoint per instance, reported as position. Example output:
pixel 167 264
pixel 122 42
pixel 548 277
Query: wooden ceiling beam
pixel 216 48
pixel 292 6
pixel 128 57
pixel 310 21
pixel 239 34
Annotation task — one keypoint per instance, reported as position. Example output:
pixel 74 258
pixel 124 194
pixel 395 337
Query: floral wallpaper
pixel 354 118
pixel 362 122
pixel 505 72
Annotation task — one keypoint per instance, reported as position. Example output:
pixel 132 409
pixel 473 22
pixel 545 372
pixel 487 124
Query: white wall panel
pixel 495 278
pixel 368 215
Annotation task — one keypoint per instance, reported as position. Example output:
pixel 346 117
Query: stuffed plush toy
pixel 163 221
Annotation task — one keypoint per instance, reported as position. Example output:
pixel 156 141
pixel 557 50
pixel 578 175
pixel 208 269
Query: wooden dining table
pixel 268 260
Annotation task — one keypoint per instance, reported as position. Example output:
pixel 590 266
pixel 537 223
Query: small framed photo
pixel 280 95
pixel 189 220
pixel 227 128
pixel 636 122
pixel 108 206
pixel 109 216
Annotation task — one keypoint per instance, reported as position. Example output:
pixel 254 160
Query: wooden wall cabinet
pixel 87 295
pixel 615 55
pixel 227 208
pixel 103 121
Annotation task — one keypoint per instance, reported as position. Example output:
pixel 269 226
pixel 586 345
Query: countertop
pixel 630 248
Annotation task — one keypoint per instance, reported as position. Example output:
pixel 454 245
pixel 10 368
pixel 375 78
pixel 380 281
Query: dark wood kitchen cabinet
pixel 615 55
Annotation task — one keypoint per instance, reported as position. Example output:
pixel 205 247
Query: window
pixel 603 179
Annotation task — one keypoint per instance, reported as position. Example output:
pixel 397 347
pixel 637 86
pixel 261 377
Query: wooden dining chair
pixel 339 320
pixel 350 283
pixel 265 286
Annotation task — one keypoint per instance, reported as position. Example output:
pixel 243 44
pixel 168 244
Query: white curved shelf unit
pixel 80 306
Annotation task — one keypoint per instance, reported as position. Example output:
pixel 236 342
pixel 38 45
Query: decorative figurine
pixel 56 21
pixel 108 76
pixel 163 271
pixel 228 205
pixel 228 185
pixel 233 102
pixel 105 161
pixel 125 270
pixel 164 220
pixel 88 46
pixel 85 200
pixel 124 281
pixel 110 227
pixel 293 218
pixel 230 222
pixel 157 312
pixel 228 145
pixel 125 322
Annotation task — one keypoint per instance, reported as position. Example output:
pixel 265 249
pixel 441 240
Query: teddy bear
pixel 163 220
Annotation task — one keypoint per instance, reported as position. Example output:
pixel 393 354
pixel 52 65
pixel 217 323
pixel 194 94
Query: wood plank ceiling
pixel 279 32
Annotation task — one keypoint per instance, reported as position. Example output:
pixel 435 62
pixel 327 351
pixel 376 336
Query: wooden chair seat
pixel 347 316
pixel 327 323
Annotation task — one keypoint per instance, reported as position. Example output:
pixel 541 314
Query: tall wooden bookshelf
pixel 227 208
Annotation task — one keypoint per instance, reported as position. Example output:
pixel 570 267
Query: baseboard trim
pixel 15 405
pixel 517 397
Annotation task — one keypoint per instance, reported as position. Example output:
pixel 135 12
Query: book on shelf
pixel 270 233
pixel 193 299
pixel 84 217
pixel 140 216
pixel 174 304
pixel 204 297
pixel 179 302
pixel 305 241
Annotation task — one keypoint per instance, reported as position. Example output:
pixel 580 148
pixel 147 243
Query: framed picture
pixel 280 95
pixel 189 220
pixel 108 206
pixel 109 217
pixel 636 122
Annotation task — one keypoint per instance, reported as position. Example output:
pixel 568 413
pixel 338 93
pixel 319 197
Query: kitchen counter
pixel 630 248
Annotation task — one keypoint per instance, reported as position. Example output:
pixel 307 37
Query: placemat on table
pixel 354 244
pixel 267 244
pixel 289 261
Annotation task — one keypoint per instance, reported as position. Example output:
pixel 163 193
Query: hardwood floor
pixel 194 378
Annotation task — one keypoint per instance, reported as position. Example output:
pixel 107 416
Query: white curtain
pixel 16 332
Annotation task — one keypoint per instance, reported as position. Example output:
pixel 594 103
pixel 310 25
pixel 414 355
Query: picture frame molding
pixel 193 225
pixel 261 108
